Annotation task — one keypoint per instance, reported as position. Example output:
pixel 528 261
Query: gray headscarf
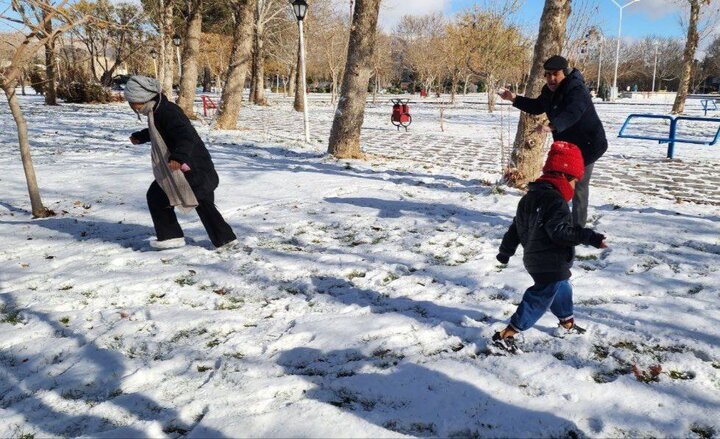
pixel 141 89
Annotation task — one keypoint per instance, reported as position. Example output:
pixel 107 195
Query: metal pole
pixel 617 55
pixel 304 80
pixel 602 43
pixel 177 51
pixel 655 68
pixel 617 49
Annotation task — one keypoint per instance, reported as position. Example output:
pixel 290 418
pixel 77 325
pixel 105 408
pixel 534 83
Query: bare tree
pixel 494 48
pixel 345 133
pixel 191 53
pixel 240 59
pixel 50 65
pixel 423 51
pixel 33 16
pixel 114 36
pixel 328 30
pixel 691 44
pixel 266 13
pixel 527 155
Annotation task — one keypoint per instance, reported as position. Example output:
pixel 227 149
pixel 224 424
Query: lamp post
pixel 153 55
pixel 300 8
pixel 656 43
pixel 176 42
pixel 614 89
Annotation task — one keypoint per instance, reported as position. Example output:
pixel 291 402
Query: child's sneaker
pixel 506 344
pixel 561 331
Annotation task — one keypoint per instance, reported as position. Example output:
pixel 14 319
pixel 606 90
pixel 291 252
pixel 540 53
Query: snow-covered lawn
pixel 360 303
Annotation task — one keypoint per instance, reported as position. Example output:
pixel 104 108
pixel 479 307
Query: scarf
pixel 173 183
pixel 560 183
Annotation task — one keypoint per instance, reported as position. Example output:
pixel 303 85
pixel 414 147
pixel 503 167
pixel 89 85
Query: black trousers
pixel 167 225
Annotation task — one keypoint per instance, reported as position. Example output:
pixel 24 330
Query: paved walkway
pixel 684 179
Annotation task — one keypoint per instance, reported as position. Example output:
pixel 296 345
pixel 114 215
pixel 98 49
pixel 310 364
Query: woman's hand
pixel 174 166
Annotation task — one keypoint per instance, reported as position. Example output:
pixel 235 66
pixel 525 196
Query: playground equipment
pixel 208 104
pixel 706 103
pixel 401 113
pixel 671 139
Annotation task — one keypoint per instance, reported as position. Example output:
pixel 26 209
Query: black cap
pixel 556 62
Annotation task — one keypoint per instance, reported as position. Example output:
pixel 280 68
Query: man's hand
pixel 543 129
pixel 603 245
pixel 174 166
pixel 506 94
pixel 134 140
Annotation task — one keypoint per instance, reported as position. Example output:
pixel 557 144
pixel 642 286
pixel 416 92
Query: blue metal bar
pixel 672 139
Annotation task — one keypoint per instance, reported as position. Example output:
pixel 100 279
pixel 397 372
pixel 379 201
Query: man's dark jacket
pixel 185 146
pixel 543 225
pixel 572 114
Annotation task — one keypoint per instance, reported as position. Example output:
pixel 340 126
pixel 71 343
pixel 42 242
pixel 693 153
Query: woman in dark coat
pixel 185 176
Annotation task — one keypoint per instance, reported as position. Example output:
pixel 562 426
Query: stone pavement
pixel 683 179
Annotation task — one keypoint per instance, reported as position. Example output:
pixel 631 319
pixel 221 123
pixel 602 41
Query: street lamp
pixel 176 41
pixel 656 43
pixel 153 55
pixel 614 89
pixel 300 9
pixel 597 32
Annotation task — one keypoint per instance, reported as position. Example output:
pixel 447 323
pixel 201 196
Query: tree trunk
pixel 207 80
pixel 240 58
pixel 258 73
pixel 38 209
pixel 292 80
pixel 345 133
pixel 492 97
pixel 299 104
pixel 22 82
pixel 527 156
pixel 167 52
pixel 454 87
pixel 50 80
pixel 376 88
pixel 191 51
pixel 688 58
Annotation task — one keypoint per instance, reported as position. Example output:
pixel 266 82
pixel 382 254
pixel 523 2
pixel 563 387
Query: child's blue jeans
pixel 538 298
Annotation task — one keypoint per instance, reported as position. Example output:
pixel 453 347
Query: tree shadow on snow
pixel 281 158
pixel 414 400
pixel 395 209
pixel 94 378
pixel 423 311
pixel 127 235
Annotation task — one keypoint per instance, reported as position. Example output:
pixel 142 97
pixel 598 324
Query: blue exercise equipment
pixel 671 139
pixel 707 102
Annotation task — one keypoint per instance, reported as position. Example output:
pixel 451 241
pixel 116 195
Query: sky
pixel 646 17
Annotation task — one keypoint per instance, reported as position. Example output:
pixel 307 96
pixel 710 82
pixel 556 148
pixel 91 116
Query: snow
pixel 363 295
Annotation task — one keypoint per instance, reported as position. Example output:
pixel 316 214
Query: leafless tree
pixel 191 53
pixel 345 133
pixel 527 155
pixel 691 44
pixel 240 60
pixel 31 17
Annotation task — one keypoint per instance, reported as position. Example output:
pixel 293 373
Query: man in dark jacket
pixel 185 176
pixel 566 101
pixel 544 227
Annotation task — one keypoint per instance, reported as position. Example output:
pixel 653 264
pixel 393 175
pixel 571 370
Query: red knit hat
pixel 566 158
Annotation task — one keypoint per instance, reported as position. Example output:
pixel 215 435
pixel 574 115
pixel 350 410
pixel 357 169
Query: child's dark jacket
pixel 543 225
pixel 185 146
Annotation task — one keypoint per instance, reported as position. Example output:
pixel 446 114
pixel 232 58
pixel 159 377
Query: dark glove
pixel 597 239
pixel 502 258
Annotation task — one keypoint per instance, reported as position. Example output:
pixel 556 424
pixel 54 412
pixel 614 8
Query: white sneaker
pixel 167 244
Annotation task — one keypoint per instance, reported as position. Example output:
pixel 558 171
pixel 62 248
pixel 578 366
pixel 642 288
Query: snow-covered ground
pixel 363 295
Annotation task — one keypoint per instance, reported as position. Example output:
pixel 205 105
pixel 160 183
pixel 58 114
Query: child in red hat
pixel 543 225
